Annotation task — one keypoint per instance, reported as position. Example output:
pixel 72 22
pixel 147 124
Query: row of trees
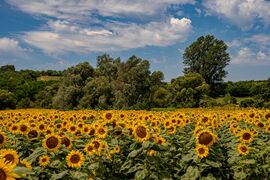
pixel 129 84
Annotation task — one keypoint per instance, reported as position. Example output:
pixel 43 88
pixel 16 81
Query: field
pixel 182 144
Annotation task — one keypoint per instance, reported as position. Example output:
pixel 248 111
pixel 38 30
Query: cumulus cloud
pixel 78 9
pixel 9 45
pixel 242 13
pixel 246 55
pixel 62 36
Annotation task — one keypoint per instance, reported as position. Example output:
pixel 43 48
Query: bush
pixel 7 100
pixel 207 101
pixel 247 103
pixel 228 99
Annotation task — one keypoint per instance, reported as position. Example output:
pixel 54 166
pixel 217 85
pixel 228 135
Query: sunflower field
pixel 183 144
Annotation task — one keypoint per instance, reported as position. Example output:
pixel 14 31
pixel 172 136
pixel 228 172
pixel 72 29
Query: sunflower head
pixel 44 160
pixel 102 132
pixel 141 132
pixel 206 138
pixel 243 149
pixel 89 149
pixel 3 138
pixel 26 164
pixel 6 171
pixel 202 151
pixel 10 156
pixel 52 142
pixel 75 159
pixel 246 136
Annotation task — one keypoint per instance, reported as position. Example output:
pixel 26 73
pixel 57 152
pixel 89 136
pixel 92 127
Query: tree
pixel 70 90
pixel 207 56
pixel 7 100
pixel 188 90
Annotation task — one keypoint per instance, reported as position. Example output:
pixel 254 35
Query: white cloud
pixel 261 56
pixel 246 56
pixel 9 45
pixel 63 36
pixel 242 13
pixel 262 39
pixel 234 43
pixel 78 9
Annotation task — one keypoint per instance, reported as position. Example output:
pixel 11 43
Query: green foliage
pixel 7 100
pixel 70 90
pixel 188 90
pixel 161 97
pixel 247 103
pixel 228 99
pixel 207 56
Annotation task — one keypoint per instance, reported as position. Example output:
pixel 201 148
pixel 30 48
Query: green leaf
pixel 134 153
pixel 142 174
pixel 94 166
pixel 22 170
pixel 59 176
pixel 192 173
pixel 213 164
pixel 56 164
pixel 146 144
pixel 37 152
pixel 78 175
pixel 248 161
pixel 135 168
pixel 126 165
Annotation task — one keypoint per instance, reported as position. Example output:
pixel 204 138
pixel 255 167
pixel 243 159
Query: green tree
pixel 7 100
pixel 188 90
pixel 207 56
pixel 97 93
pixel 70 91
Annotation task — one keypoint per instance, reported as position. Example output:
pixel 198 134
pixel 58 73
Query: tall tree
pixel 207 56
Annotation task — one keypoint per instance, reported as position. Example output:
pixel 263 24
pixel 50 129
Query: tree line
pixel 129 84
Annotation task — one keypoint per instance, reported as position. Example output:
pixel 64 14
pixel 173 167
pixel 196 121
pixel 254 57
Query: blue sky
pixel 48 34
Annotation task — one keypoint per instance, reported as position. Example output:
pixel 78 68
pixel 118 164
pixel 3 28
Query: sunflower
pixel 6 171
pixel 243 149
pixel 202 151
pixel 96 143
pixel 108 115
pixel 23 129
pixel 246 136
pixel 141 132
pixel 10 156
pixel 72 128
pixel 206 138
pixel 89 149
pixel 3 138
pixel 75 159
pixel 102 132
pixel 159 140
pixel 44 160
pixel 267 128
pixel 42 127
pixel 66 141
pixel 151 152
pixel 171 130
pixel 116 149
pixel 52 142
pixel 26 164
pixel 14 128
pixel 33 133
pixel 92 131
pixel 167 124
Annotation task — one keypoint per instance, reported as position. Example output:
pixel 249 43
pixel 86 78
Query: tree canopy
pixel 207 56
